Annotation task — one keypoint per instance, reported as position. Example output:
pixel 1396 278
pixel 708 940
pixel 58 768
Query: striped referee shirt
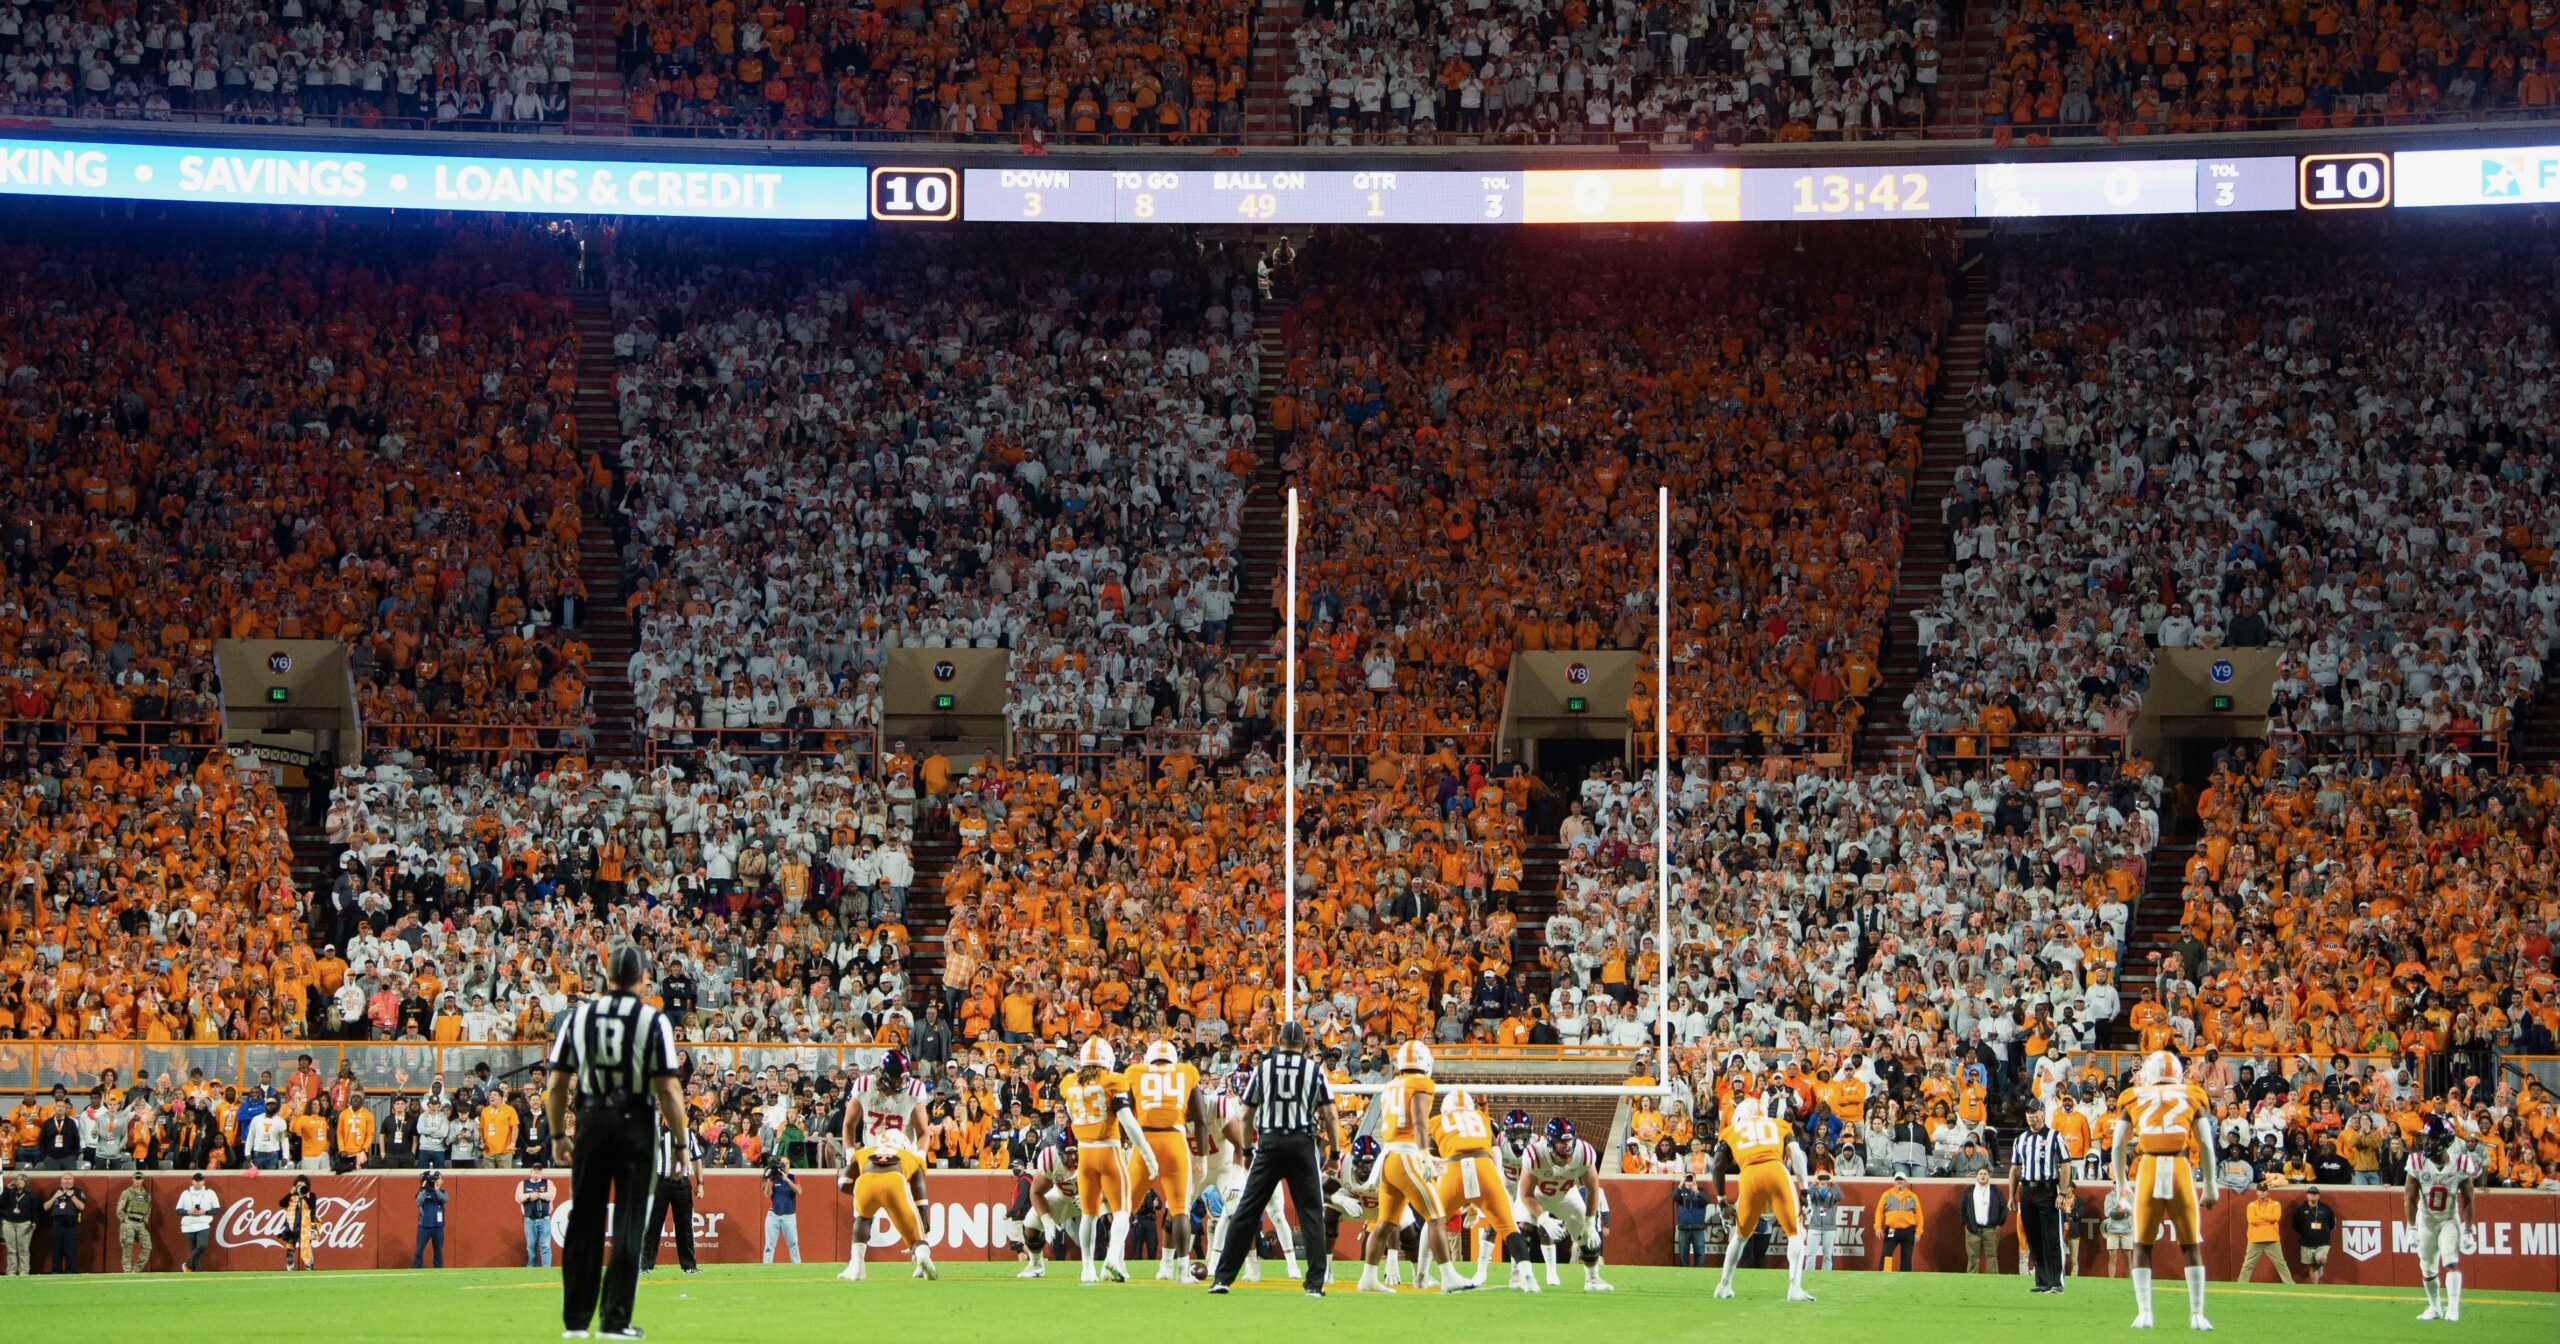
pixel 674 1144
pixel 1288 1093
pixel 617 1047
pixel 2037 1157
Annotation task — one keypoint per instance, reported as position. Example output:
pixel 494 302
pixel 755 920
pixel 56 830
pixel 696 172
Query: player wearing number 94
pixel 1764 1149
pixel 2164 1139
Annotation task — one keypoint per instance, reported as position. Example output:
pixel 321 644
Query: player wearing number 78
pixel 2162 1122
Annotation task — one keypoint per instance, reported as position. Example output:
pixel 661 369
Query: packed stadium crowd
pixel 445 64
pixel 1707 73
pixel 2252 463
pixel 950 448
pixel 1171 72
pixel 2124 69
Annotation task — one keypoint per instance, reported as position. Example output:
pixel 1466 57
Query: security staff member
pixel 1288 1103
pixel 620 1054
pixel 2037 1161
pixel 679 1184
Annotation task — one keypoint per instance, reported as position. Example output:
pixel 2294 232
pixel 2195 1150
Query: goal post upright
pixel 1289 776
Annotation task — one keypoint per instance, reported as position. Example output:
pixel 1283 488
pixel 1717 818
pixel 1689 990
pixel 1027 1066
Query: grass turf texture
pixel 763 1303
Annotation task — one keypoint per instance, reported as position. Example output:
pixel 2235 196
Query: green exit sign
pixel 1575 704
pixel 2222 704
pixel 275 695
pixel 944 702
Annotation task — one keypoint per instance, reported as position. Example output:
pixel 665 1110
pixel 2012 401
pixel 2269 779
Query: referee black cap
pixel 1293 1035
pixel 628 967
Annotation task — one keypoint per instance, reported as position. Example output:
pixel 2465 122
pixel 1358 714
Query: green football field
pixel 985 1302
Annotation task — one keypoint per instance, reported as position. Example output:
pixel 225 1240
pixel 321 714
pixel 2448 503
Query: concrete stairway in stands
pixel 597 104
pixel 1540 880
pixel 2154 928
pixel 1965 62
pixel 1266 94
pixel 608 632
pixel 1925 553
pixel 1266 507
pixel 928 917
pixel 313 868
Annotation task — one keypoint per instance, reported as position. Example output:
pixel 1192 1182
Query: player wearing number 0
pixel 1406 1179
pixel 2164 1139
pixel 1172 1115
pixel 1771 1166
pixel 886 1177
pixel 2439 1206
pixel 1562 1174
pixel 1107 1133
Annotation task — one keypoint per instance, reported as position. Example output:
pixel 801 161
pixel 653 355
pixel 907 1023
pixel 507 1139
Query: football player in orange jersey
pixel 1107 1133
pixel 1471 1181
pixel 1406 1175
pixel 1173 1117
pixel 2164 1141
pixel 1764 1149
pixel 886 1177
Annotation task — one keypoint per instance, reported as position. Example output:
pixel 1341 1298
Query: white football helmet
pixel 2162 1066
pixel 1414 1057
pixel 1456 1100
pixel 1097 1053
pixel 1162 1052
pixel 1746 1111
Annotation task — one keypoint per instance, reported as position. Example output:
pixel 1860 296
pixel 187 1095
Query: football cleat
pixel 2198 1322
pixel 1595 1284
pixel 2432 1313
pixel 1032 1272
pixel 1798 1295
pixel 1724 1291
pixel 1217 1290
pixel 1114 1273
pixel 2141 1322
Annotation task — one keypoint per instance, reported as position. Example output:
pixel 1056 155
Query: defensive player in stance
pixel 1173 1116
pixel 1107 1133
pixel 2164 1138
pixel 1559 1182
pixel 1405 1177
pixel 1223 1172
pixel 2439 1201
pixel 1053 1202
pixel 886 1177
pixel 888 1107
pixel 1771 1165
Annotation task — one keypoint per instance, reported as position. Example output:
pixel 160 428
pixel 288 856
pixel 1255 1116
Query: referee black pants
pixel 1278 1157
pixel 2043 1224
pixel 613 1169
pixel 675 1200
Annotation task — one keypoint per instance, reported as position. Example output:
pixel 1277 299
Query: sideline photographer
pixel 782 1214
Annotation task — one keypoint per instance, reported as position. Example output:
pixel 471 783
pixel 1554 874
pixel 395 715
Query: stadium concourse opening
pixel 1897 567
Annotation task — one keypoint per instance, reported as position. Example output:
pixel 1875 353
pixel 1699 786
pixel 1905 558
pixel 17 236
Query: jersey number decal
pixel 1159 1090
pixel 1084 1105
pixel 2161 1116
pixel 1468 1125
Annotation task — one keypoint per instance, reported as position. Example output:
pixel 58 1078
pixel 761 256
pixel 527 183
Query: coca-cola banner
pixel 370 1222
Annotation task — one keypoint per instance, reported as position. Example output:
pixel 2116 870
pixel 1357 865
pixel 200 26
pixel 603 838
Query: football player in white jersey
pixel 888 1104
pixel 1221 1176
pixel 1053 1201
pixel 2439 1205
pixel 1560 1175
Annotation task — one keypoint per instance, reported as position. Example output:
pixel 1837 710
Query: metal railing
pixel 2069 752
pixel 97 732
pixel 497 741
pixel 2348 744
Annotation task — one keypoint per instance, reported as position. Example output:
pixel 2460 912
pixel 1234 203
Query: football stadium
pixel 1208 669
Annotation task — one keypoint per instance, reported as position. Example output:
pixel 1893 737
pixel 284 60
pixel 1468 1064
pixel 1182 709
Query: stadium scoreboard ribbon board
pixel 1235 191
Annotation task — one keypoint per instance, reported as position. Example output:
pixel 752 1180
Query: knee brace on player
pixel 1590 1253
pixel 1034 1238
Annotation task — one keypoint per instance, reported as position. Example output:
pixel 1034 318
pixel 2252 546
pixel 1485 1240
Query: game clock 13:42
pixel 1852 193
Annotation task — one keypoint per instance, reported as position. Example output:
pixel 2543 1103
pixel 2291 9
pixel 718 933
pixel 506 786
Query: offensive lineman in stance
pixel 2166 1119
pixel 2439 1204
pixel 1561 1174
pixel 886 1177
pixel 888 1106
pixel 1053 1201
pixel 1771 1164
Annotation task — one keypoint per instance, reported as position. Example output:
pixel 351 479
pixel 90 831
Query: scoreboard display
pixel 1237 190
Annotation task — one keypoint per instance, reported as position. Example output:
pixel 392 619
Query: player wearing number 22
pixel 1107 1135
pixel 1764 1150
pixel 886 1177
pixel 2164 1139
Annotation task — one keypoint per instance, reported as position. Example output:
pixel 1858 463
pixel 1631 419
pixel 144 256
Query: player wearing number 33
pixel 2164 1140
pixel 1764 1150
pixel 2439 1205
pixel 1107 1134
pixel 886 1177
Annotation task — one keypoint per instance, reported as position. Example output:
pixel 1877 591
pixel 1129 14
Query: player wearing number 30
pixel 2439 1203
pixel 886 1177
pixel 1405 1178
pixel 1764 1150
pixel 2164 1138
pixel 1171 1116
pixel 1107 1132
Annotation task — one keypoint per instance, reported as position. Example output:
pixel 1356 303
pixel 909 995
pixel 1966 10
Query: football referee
pixel 2037 1162
pixel 621 1055
pixel 1288 1104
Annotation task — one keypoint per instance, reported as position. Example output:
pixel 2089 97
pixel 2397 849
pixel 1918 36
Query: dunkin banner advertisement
pixel 370 1222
